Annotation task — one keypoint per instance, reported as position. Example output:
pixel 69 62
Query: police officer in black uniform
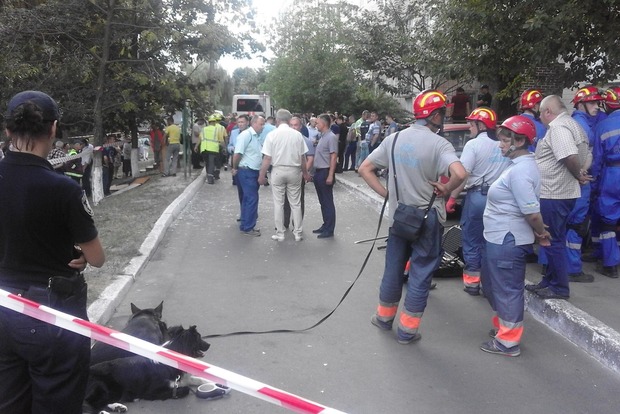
pixel 46 240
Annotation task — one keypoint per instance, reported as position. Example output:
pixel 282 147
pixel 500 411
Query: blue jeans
pixel 350 155
pixel 503 279
pixel 555 215
pixel 362 153
pixel 473 232
pixel 425 255
pixel 325 193
pixel 247 179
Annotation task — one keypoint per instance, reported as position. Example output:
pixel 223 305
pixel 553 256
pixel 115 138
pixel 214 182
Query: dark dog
pixel 145 324
pixel 136 377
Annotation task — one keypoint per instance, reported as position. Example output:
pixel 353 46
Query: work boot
pixel 472 290
pixel 609 271
pixel 581 277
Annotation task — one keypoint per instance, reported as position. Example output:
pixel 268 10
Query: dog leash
pixel 346 293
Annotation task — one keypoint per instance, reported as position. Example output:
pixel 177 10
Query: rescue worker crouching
pixel 210 147
pixel 483 162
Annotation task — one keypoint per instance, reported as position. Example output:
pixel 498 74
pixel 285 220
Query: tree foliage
pixel 507 40
pixel 58 46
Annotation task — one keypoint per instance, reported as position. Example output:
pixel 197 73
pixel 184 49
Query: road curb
pixel 590 334
pixel 364 191
pixel 103 307
pixel 582 329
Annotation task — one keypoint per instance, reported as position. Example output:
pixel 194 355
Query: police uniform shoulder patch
pixel 86 205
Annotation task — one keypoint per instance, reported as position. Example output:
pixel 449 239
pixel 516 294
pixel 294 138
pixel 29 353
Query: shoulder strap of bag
pixel 430 204
pixel 394 166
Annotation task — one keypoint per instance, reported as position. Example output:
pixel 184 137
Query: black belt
pixel 612 164
pixel 245 168
pixel 61 285
pixel 321 169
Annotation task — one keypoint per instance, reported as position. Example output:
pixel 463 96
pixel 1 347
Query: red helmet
pixel 521 125
pixel 485 115
pixel 427 101
pixel 530 97
pixel 612 97
pixel 587 94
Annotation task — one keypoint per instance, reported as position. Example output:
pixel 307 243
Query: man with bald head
pixel 561 157
pixel 285 150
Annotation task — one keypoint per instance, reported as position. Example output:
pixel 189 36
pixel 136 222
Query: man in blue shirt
pixel 247 161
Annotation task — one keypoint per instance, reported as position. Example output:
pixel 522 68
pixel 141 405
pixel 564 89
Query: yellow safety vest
pixel 209 141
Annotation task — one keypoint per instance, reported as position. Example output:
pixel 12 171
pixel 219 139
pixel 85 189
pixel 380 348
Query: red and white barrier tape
pixel 163 355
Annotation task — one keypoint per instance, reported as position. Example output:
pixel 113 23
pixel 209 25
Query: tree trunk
pixel 133 131
pixel 97 182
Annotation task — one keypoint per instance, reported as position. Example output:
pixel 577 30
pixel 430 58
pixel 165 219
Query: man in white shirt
pixel 285 150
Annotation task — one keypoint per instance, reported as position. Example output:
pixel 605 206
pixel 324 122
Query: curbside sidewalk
pixel 582 329
pixel 103 307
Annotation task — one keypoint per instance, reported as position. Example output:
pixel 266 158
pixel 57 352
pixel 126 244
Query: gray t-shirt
pixel 328 144
pixel 421 156
pixel 483 160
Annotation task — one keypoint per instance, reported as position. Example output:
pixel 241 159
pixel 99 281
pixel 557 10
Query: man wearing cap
pixel 416 157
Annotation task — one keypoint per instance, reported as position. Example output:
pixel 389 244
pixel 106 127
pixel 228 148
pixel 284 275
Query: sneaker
pixel 325 235
pixel 492 348
pixel 318 231
pixel 278 237
pixel 474 291
pixel 386 326
pixel 609 271
pixel 253 232
pixel 299 238
pixel 493 333
pixel 405 339
pixel 547 293
pixel 580 277
pixel 536 287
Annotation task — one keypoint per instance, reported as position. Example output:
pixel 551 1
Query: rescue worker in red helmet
pixel 415 157
pixel 483 163
pixel 512 222
pixel 606 174
pixel 529 104
pixel 587 103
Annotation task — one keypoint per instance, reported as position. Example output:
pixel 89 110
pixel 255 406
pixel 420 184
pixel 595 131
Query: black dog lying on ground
pixel 136 377
pixel 145 324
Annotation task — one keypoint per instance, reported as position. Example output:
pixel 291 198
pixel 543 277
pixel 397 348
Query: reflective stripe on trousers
pixel 503 278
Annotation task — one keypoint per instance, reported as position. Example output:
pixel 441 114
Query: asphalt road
pixel 210 275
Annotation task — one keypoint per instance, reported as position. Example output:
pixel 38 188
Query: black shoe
pixel 473 291
pixel 580 277
pixel 385 326
pixel 547 293
pixel 325 235
pixel 492 348
pixel 609 271
pixel 543 270
pixel 318 231
pixel 536 287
